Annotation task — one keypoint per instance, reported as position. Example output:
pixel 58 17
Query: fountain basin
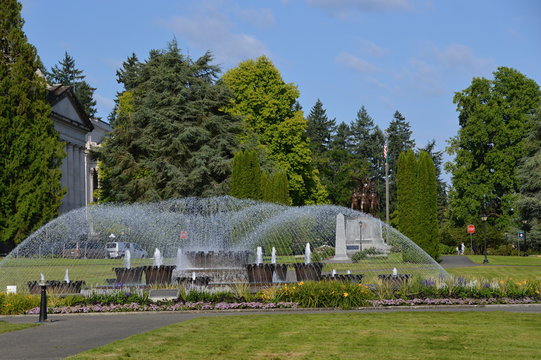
pixel 260 273
pixel 199 280
pixel 128 276
pixel 354 278
pixel 396 281
pixel 308 272
pixel 57 287
pixel 160 275
pixel 217 259
pixel 280 271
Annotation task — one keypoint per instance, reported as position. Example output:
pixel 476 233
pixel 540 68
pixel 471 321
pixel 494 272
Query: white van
pixel 117 249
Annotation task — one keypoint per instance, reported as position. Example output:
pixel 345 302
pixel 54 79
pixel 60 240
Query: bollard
pixel 43 304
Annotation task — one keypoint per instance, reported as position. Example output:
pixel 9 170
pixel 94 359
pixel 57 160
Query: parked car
pixel 117 249
pixel 84 250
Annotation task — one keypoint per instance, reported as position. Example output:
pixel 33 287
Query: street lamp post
pixel 484 219
pixel 525 224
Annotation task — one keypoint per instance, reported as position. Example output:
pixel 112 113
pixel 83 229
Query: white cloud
pixel 426 77
pixel 355 63
pixel 458 56
pixel 342 6
pixel 373 49
pixel 214 32
pixel 258 17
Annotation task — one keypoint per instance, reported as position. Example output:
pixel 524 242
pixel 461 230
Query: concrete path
pixel 452 261
pixel 67 335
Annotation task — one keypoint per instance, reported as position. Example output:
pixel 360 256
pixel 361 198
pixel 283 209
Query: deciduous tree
pixel 267 106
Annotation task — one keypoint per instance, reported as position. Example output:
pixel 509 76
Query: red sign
pixel 183 234
pixel 471 229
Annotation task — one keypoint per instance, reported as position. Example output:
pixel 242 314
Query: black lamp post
pixel 525 224
pixel 484 219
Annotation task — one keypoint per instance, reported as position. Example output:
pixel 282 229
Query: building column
pixel 64 181
pixel 71 183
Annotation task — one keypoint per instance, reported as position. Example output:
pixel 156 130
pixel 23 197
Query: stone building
pixel 80 134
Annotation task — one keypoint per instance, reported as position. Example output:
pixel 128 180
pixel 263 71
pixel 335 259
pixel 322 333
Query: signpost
pixel 471 231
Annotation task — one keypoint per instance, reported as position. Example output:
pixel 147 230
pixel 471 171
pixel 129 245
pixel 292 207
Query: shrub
pixel 12 304
pixel 118 298
pixel 333 294
pixel 364 254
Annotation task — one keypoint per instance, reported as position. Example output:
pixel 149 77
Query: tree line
pixel 182 128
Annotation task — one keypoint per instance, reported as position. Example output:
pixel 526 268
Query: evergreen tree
pixel 368 142
pixel 529 175
pixel 319 129
pixel 342 166
pixel 437 159
pixel 406 184
pixel 31 153
pixel 398 140
pixel 246 180
pixel 494 118
pixel 67 74
pixel 275 188
pixel 271 118
pixel 426 226
pixel 170 137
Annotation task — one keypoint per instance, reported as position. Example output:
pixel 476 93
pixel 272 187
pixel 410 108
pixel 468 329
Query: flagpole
pixel 386 158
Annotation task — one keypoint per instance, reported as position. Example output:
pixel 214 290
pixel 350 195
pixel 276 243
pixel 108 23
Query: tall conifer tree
pixel 426 225
pixel 170 136
pixel 31 153
pixel 67 74
pixel 406 184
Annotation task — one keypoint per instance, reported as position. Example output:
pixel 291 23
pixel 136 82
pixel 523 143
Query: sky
pixel 388 55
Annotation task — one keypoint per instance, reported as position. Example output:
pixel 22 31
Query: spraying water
pixel 221 225
pixel 67 277
pixel 259 258
pixel 127 259
pixel 395 272
pixel 273 255
pixel 307 254
pixel 178 262
pixel 158 260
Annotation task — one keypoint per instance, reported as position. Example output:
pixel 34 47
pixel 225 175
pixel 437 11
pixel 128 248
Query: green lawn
pixel 7 327
pixel 434 335
pixel 502 267
pixel 498 272
pixel 507 260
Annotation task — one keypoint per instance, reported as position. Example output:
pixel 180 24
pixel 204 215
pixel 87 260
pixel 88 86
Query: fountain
pixel 260 273
pixel 307 254
pixel 158 260
pixel 224 234
pixel 308 271
pixel 66 277
pixel 127 259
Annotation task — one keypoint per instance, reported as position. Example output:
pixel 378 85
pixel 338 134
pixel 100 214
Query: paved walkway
pixel 67 335
pixel 452 261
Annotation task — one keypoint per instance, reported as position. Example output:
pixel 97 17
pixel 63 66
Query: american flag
pixel 385 151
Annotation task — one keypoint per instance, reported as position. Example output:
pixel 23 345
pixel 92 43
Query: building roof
pixel 59 92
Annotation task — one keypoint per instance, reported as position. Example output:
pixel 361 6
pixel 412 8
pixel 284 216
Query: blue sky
pixel 406 55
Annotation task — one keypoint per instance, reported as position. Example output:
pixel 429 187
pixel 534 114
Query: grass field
pixel 434 335
pixel 7 327
pixel 502 267
pixel 507 260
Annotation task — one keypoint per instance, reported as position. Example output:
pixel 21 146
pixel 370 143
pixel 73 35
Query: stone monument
pixel 357 234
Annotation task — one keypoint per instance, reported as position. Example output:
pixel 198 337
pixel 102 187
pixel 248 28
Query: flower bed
pixel 135 307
